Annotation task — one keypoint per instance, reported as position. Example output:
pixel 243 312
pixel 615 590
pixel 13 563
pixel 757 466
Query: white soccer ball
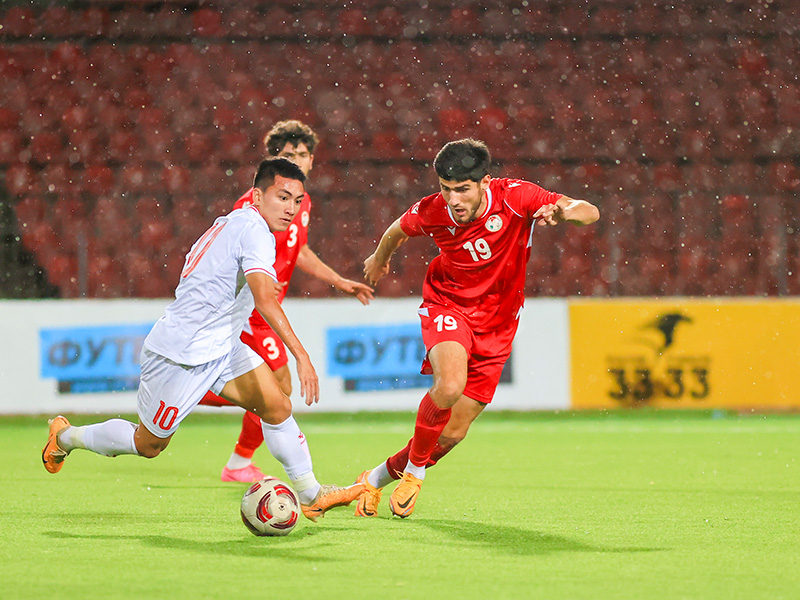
pixel 270 507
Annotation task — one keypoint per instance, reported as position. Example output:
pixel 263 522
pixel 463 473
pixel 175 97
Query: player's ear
pixel 257 196
pixel 485 182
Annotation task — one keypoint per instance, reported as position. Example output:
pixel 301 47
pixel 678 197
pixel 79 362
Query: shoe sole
pixel 360 508
pixel 57 425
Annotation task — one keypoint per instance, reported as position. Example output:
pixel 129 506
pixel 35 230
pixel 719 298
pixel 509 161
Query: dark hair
pixel 293 132
pixel 270 167
pixel 463 160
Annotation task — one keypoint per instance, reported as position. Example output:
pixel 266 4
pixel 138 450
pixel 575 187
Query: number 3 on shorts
pixel 273 352
pixel 446 322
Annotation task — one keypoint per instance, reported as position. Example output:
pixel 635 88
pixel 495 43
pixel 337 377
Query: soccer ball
pixel 270 507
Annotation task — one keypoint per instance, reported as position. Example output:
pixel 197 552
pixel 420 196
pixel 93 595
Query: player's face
pixel 299 155
pixel 279 203
pixel 466 199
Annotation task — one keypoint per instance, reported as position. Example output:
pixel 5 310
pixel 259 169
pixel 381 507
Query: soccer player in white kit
pixel 196 346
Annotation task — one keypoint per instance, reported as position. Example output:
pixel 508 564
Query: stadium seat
pixel 207 22
pixel 11 145
pixel 47 146
pixel 93 22
pixel 784 176
pixel 22 180
pixel 19 22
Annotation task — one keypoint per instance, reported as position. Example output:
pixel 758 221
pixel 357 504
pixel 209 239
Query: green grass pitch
pixel 533 505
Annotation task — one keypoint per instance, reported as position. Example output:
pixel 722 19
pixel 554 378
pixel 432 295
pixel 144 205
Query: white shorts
pixel 169 391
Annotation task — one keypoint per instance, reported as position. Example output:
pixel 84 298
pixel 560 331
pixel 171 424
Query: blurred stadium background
pixel 125 127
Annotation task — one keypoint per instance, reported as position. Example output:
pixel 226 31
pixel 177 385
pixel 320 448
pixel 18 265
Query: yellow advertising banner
pixel 685 353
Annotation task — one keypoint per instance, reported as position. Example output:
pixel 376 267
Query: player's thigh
pixel 284 377
pixel 270 347
pixel 448 339
pixel 449 361
pixel 258 391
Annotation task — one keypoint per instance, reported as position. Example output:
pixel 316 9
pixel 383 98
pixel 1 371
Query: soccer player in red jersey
pixel 472 296
pixel 295 141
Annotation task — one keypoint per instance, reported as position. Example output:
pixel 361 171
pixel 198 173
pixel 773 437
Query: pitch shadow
pixel 256 547
pixel 517 541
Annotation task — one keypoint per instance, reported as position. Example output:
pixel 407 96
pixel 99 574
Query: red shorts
pixel 488 352
pixel 268 345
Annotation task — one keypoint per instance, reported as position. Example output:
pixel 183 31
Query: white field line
pixel 716 428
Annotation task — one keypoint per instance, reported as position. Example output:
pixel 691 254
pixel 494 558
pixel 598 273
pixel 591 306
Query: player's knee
pixel 277 410
pixel 149 450
pixel 446 392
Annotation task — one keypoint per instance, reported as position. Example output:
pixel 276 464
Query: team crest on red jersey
pixel 304 218
pixel 494 223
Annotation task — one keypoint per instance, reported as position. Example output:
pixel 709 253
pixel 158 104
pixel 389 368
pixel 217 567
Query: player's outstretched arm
pixel 577 212
pixel 262 287
pixel 310 263
pixel 377 264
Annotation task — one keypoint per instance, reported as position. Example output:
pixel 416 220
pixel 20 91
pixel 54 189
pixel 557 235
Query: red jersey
pixel 287 246
pixel 480 270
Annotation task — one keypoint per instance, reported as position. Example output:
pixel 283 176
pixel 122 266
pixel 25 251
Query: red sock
pixel 251 435
pixel 430 423
pixel 397 463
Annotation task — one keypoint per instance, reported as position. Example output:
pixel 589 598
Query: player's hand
pixel 309 382
pixel 359 290
pixel 374 270
pixel 550 214
pixel 277 287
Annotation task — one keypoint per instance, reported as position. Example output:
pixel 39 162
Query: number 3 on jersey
pixel 292 240
pixel 479 250
pixel 445 322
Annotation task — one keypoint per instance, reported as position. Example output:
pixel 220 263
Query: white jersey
pixel 212 301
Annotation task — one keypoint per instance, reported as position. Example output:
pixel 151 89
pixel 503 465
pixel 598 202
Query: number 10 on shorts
pixel 165 416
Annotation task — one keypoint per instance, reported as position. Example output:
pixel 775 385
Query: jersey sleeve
pixel 411 221
pixel 258 251
pixel 525 198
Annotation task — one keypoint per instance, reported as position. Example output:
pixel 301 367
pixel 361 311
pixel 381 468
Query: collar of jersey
pixel 481 218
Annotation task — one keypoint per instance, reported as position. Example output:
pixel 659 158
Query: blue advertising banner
pixel 377 357
pixel 93 359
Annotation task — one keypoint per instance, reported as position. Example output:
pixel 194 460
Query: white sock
pixel 289 447
pixel 418 472
pixel 110 438
pixel 379 476
pixel 237 461
pixel 307 487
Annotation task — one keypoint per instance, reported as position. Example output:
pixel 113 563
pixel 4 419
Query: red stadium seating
pixel 664 115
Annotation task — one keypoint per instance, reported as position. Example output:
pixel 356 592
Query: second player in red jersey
pixel 472 297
